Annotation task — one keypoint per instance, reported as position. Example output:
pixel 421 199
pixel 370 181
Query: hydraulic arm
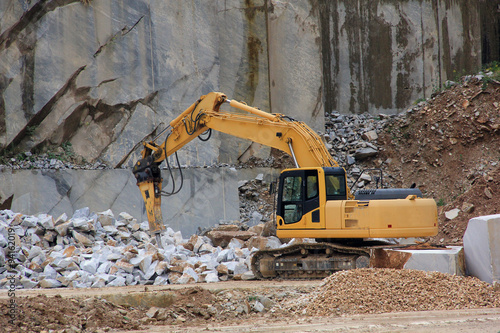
pixel 274 130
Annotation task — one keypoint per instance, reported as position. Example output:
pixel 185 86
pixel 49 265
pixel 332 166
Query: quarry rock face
pixel 105 75
pixel 56 192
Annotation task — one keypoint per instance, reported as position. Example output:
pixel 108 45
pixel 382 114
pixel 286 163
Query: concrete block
pixel 482 248
pixel 449 260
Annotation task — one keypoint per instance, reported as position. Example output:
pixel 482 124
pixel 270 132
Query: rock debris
pixel 100 249
pixel 375 290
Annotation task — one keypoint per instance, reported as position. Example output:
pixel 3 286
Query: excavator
pixel 313 199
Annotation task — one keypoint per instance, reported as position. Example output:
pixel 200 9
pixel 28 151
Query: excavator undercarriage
pixel 308 260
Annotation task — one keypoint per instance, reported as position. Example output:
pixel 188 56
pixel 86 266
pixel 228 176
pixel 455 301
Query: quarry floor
pixel 87 300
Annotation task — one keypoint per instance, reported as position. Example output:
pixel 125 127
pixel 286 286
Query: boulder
pixel 451 214
pixel 235 243
pixel 248 276
pixel 211 277
pixel 62 228
pixel 50 283
pixel 81 223
pixel 222 238
pixel 222 269
pixel 50 236
pixel 263 243
pixel 90 266
pixel 226 227
pixel 188 276
pixel 106 218
pixel 46 221
pixel 34 251
pixel 482 248
pixel 126 216
pixel 29 222
pixel 364 153
pixel 161 268
pixel 28 283
pixel 68 252
pixel 226 255
pixel 119 281
pixel 370 136
pixel 160 281
pixel 61 219
pixel 105 267
pixel 81 213
pixel 81 239
pixel 257 229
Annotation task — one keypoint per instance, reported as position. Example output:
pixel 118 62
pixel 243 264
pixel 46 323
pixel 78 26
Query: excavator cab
pixel 301 192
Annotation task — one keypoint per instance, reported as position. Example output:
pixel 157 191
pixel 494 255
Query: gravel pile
pixel 389 290
pixel 98 249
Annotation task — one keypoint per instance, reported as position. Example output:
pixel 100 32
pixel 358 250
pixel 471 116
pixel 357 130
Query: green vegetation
pixel 68 149
pixel 441 202
pixel 491 74
pixel 421 99
pixel 30 130
pixel 64 153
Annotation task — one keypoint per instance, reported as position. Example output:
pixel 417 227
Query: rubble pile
pixel 256 204
pixel 99 249
pixel 352 140
pixel 372 290
pixel 72 315
pixel 49 161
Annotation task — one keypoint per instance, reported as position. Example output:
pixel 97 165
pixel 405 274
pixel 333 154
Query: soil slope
pixel 449 146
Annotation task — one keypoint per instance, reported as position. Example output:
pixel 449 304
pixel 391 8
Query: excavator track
pixel 308 261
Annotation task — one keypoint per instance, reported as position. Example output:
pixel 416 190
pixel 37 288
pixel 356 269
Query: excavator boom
pixel 274 130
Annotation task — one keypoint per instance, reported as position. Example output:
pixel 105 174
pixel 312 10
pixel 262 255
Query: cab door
pixel 299 200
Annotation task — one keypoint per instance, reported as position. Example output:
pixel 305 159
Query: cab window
pixel 312 187
pixel 292 189
pixel 335 185
pixel 292 199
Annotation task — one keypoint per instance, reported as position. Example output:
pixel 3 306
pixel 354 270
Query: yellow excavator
pixel 313 199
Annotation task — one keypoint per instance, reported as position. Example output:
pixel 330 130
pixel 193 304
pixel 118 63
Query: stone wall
pixel 381 56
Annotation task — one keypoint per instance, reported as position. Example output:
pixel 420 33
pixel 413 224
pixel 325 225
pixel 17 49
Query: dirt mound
pixel 390 290
pixel 41 313
pixel 449 146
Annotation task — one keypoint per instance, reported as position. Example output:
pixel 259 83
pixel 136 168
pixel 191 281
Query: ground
pixel 214 308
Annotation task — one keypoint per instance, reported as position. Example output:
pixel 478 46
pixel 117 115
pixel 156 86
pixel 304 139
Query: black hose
pixel 169 168
pixel 209 134
pixel 195 123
